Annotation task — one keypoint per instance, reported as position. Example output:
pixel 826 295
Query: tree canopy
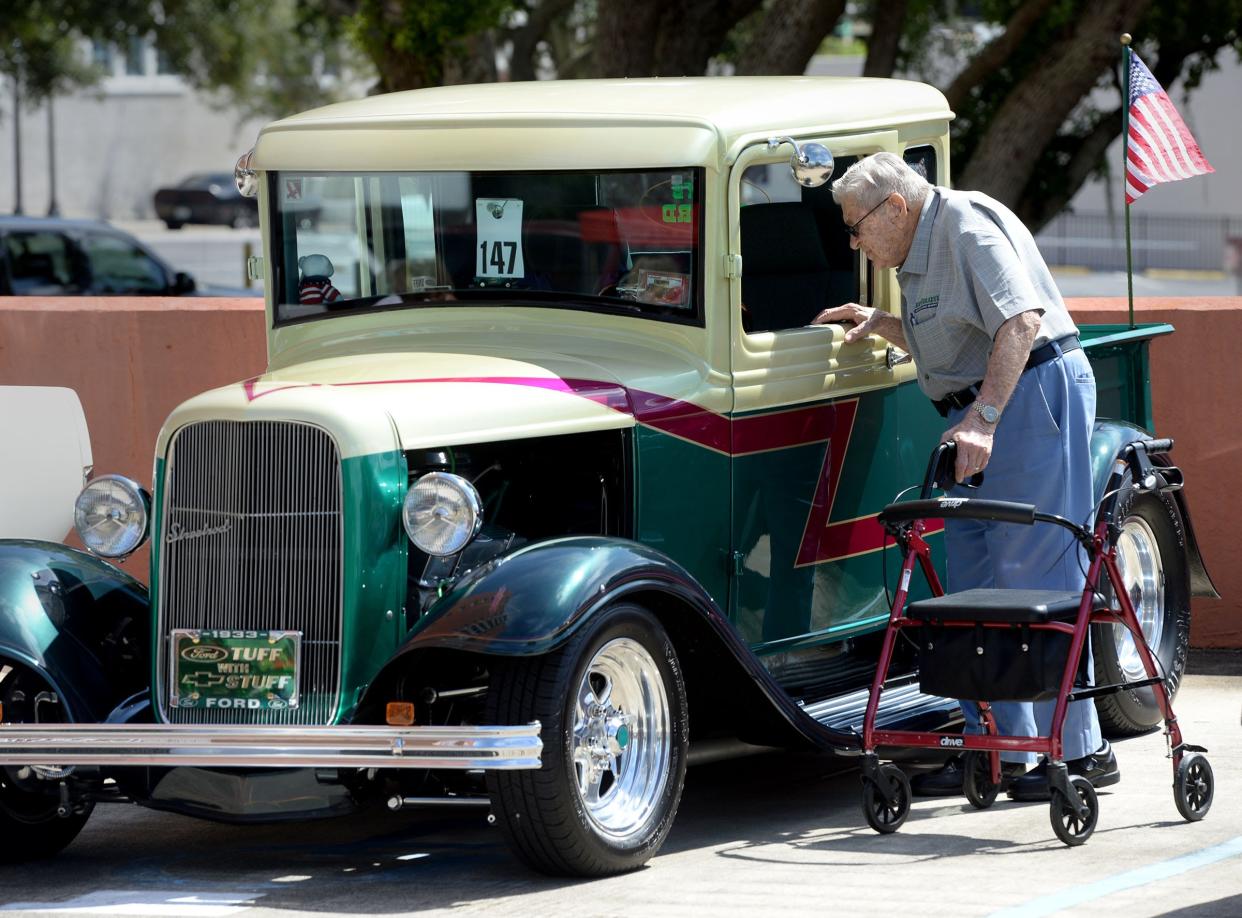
pixel 1034 83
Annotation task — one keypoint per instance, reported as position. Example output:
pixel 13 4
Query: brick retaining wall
pixel 132 360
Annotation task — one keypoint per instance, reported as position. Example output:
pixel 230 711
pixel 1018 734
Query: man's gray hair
pixel 872 179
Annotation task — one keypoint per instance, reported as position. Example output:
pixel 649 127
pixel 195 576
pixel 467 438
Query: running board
pixel 899 704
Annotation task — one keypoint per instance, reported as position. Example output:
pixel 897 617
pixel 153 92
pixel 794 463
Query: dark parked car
pixel 206 198
pixel 53 257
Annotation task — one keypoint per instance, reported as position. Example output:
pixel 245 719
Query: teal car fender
pixel 1107 440
pixel 80 623
pixel 531 601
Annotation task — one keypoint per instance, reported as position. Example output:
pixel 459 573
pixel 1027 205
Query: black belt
pixel 1050 351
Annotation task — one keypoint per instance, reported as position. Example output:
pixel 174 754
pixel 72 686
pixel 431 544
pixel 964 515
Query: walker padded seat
pixel 1015 607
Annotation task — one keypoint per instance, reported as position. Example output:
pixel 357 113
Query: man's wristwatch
pixel 989 413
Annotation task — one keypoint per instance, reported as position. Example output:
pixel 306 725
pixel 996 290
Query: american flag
pixel 1159 147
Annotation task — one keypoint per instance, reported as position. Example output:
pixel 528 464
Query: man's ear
pixel 899 199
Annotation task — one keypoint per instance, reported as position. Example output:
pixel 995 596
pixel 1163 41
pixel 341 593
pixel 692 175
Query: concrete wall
pixel 131 361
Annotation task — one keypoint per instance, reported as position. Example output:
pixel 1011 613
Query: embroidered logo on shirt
pixel 928 302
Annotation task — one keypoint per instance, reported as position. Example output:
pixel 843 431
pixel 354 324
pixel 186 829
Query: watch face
pixel 989 413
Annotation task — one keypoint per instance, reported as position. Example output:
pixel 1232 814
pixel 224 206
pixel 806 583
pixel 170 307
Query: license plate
pixel 252 670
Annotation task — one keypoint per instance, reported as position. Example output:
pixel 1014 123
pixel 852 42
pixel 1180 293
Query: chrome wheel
pixel 615 725
pixel 1138 557
pixel 1154 566
pixel 621 739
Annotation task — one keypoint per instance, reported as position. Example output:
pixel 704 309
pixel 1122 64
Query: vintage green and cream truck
pixel 547 489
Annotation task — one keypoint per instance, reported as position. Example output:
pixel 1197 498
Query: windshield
pixel 627 242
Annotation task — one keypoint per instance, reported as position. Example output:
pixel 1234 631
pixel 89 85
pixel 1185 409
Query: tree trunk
pixel 657 38
pixel 470 59
pixel 1034 111
pixel 787 35
pixel 888 20
pixel 1036 209
pixel 625 37
pixel 993 56
pixel 526 39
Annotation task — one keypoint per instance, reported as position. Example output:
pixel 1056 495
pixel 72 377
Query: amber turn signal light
pixel 400 713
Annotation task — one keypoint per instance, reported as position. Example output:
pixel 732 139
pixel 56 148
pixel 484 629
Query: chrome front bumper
pixel 491 748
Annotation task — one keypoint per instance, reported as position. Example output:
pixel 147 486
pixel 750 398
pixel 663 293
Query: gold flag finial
pixel 1125 38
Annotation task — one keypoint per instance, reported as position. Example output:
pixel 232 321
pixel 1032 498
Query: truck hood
pixel 409 400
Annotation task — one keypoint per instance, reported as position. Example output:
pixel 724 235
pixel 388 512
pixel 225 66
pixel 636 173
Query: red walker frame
pixel 905 521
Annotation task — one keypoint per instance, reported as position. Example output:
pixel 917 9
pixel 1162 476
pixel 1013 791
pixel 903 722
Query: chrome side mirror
pixel 811 163
pixel 245 176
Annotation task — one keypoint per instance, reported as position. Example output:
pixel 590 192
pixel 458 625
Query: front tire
pixel 615 728
pixel 1151 553
pixel 31 826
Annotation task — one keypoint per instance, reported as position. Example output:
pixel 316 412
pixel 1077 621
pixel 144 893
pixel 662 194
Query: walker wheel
pixel 883 815
pixel 1070 827
pixel 1194 787
pixel 977 780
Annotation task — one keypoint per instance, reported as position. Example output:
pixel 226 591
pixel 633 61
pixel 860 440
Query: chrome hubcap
pixel 621 739
pixel 1138 557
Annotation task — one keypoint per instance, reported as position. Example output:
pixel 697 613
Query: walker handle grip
pixel 1002 511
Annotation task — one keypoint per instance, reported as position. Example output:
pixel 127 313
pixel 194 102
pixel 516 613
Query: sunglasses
pixel 852 228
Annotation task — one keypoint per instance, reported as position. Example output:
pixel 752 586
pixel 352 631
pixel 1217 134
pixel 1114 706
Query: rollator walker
pixel 992 645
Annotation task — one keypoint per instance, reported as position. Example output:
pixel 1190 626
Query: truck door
pixel 816 436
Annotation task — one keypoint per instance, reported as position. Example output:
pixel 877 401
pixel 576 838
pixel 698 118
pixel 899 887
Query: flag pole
pixel 1125 165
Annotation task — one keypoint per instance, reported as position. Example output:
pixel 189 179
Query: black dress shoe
pixel 946 781
pixel 1100 768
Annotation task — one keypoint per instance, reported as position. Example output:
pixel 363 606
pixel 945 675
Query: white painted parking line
pixel 173 904
pixel 1161 870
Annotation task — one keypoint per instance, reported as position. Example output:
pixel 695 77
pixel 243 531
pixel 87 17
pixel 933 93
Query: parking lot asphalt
pixel 773 834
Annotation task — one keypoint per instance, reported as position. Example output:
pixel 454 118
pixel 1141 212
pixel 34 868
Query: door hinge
pixel 254 267
pixel 733 265
pixel 735 563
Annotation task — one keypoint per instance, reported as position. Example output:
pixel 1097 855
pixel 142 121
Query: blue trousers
pixel 1041 456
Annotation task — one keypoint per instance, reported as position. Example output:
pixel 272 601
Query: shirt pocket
pixel 924 313
pixel 934 336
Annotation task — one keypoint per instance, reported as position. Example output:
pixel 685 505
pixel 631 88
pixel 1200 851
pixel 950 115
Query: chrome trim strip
pixel 483 747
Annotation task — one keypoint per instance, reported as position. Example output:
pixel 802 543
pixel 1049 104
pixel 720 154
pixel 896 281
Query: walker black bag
pixel 993 664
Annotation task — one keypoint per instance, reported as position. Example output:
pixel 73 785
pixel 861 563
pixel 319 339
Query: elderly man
pixel 998 354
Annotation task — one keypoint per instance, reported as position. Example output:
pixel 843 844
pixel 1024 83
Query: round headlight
pixel 244 175
pixel 442 513
pixel 111 516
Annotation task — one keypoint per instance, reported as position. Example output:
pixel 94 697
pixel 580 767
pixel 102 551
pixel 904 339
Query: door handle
pixel 895 358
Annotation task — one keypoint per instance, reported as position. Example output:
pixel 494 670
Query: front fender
pixel 78 621
pixel 1107 440
pixel 532 601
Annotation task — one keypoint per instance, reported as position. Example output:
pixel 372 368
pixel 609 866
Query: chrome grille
pixel 251 540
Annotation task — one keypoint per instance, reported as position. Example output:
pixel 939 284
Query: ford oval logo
pixel 205 653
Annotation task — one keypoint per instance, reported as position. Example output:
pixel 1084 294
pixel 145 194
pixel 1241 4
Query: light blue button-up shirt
pixel 972 266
